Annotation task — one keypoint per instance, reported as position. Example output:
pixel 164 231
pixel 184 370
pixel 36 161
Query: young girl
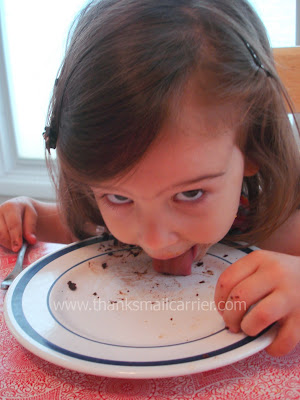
pixel 163 113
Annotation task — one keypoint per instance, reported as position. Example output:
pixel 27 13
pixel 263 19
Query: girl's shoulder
pixel 286 239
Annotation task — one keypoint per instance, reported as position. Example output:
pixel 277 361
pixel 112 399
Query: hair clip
pixel 256 59
pixel 50 138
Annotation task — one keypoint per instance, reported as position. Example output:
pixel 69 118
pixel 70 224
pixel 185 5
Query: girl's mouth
pixel 180 265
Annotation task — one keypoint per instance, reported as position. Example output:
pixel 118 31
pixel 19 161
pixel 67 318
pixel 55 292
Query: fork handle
pixel 19 263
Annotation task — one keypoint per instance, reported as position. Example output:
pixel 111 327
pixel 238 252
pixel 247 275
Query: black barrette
pixel 255 58
pixel 50 137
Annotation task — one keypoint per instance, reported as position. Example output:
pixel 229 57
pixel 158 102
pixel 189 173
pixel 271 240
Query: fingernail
pixel 31 238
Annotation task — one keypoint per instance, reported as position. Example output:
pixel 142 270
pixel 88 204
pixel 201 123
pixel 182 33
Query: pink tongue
pixel 181 265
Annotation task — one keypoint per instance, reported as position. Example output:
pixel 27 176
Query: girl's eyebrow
pixel 179 184
pixel 199 179
pixel 188 182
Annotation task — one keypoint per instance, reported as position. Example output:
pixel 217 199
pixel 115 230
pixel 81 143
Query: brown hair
pixel 126 60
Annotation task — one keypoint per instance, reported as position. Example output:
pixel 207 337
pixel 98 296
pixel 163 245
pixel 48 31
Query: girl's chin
pixel 201 250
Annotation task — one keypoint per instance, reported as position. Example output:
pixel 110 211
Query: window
pixel 280 20
pixel 33 35
pixel 32 41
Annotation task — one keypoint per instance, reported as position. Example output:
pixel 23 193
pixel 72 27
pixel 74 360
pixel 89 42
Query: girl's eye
pixel 190 195
pixel 117 199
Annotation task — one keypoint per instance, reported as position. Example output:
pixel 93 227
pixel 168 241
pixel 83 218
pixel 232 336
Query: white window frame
pixel 29 177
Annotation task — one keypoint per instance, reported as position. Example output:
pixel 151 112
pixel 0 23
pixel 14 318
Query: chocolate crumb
pixel 197 294
pixel 199 264
pixel 225 255
pixel 94 294
pixel 117 255
pixel 134 254
pixel 209 272
pixel 202 282
pixel 236 297
pixel 105 236
pixel 171 319
pixel 141 273
pixel 104 265
pixel 72 285
pixel 134 251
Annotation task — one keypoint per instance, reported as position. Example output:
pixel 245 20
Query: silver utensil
pixel 17 269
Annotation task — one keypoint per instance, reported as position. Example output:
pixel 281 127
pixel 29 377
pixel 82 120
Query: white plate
pixel 124 319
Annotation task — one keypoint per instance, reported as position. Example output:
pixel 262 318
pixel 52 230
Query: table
pixel 26 376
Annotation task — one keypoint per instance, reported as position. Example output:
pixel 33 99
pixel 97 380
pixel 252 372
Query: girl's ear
pixel 251 168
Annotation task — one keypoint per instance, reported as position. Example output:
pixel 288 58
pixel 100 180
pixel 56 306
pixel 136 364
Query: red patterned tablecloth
pixel 26 376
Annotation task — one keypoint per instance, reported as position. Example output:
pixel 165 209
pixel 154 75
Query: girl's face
pixel 185 191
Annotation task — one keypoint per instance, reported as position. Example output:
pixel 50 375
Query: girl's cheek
pixel 211 228
pixel 121 228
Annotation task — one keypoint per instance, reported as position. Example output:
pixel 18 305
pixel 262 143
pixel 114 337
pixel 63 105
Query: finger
pixel 234 274
pixel 287 337
pixel 269 310
pixel 246 293
pixel 13 220
pixel 29 225
pixel 4 234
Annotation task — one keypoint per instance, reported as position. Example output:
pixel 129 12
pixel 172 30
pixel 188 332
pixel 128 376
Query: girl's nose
pixel 155 233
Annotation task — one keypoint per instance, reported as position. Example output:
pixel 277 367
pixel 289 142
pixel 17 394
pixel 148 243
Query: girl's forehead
pixel 197 112
pixel 194 131
pixel 196 138
pixel 179 154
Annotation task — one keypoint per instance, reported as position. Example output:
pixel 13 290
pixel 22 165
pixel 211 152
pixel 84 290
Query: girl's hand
pixel 18 219
pixel 270 282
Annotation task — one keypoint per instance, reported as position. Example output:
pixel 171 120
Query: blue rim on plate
pixel 40 344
